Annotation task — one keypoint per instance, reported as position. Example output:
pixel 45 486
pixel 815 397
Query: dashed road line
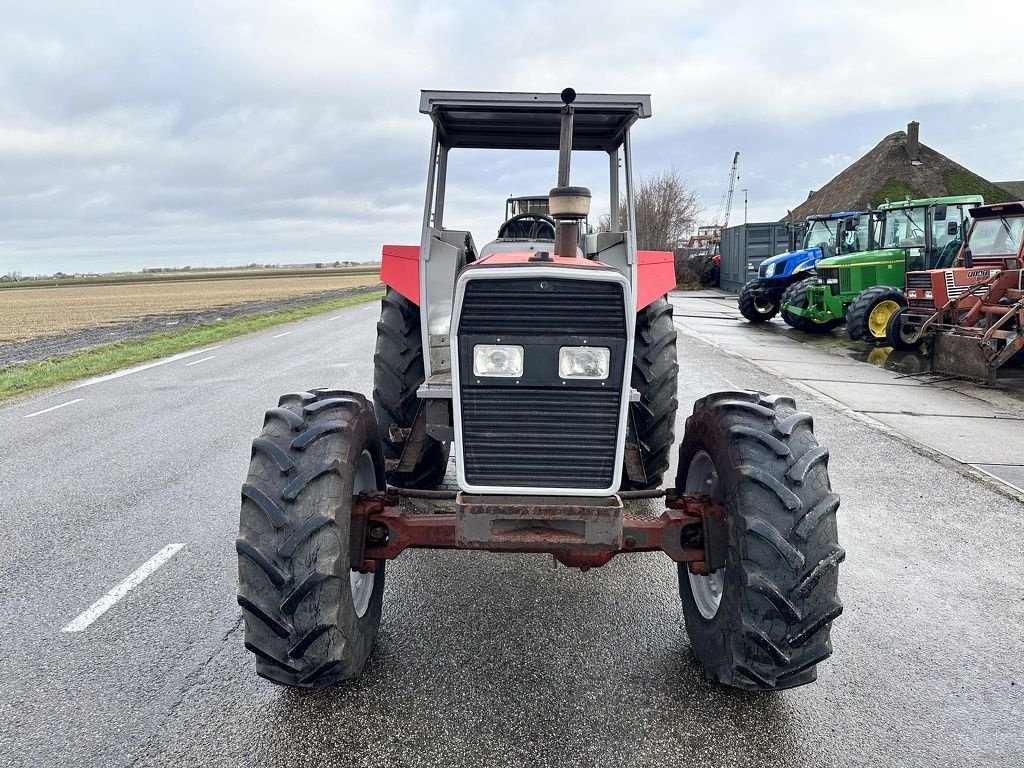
pixel 280 335
pixel 55 407
pixel 147 366
pixel 202 360
pixel 136 577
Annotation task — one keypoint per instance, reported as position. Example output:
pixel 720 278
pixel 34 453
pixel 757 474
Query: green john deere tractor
pixel 866 289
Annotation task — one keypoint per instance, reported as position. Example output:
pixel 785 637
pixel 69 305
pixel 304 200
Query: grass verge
pixel 30 377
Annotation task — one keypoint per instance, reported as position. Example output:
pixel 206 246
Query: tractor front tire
pixel 310 620
pixel 897 337
pixel 655 376
pixel 796 296
pixel 869 313
pixel 397 373
pixel 763 620
pixel 758 307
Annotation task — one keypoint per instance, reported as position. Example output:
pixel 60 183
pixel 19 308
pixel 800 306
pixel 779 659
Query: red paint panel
pixel 523 257
pixel 655 276
pixel 400 269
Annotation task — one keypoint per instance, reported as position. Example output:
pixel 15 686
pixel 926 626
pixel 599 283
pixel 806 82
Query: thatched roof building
pixel 1014 188
pixel 897 167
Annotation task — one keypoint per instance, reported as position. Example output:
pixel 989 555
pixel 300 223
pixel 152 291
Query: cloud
pixel 170 133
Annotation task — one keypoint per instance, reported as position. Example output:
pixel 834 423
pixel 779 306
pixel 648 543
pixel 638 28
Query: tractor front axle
pixel 580 532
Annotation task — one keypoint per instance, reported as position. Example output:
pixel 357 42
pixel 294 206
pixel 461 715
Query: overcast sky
pixel 142 134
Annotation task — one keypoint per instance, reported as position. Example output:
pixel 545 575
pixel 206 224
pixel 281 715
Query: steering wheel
pixel 538 223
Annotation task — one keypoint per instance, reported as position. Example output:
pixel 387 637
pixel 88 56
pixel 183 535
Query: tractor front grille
pixel 919 280
pixel 827 274
pixel 539 306
pixel 541 431
pixel 539 437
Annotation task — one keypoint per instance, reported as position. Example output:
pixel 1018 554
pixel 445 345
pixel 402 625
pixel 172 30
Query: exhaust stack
pixel 568 205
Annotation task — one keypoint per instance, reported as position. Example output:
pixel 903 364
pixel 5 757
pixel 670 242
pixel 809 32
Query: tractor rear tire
pixel 895 335
pixel 758 308
pixel 796 296
pixel 397 374
pixel 763 620
pixel 710 273
pixel 655 376
pixel 869 313
pixel 310 620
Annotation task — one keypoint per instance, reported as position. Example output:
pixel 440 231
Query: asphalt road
pixel 481 660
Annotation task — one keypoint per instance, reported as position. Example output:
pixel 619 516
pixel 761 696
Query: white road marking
pixel 55 407
pixel 175 322
pixel 137 576
pixel 197 362
pixel 338 317
pixel 280 335
pixel 146 366
pixel 368 309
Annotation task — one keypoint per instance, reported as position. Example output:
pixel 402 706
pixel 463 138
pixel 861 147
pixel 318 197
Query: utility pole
pixel 744 205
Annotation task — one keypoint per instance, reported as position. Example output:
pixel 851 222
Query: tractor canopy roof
pixel 998 210
pixel 505 120
pixel 926 201
pixel 839 215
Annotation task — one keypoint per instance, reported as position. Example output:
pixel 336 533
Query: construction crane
pixel 728 195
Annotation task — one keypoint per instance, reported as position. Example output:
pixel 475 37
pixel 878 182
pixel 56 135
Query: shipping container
pixel 745 246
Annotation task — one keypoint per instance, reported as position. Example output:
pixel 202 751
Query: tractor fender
pixel 655 276
pixel 400 270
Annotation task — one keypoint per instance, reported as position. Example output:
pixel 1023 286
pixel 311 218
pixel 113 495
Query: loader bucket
pixel 960 355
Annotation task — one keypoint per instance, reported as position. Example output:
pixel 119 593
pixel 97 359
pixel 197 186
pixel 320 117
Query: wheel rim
pixel 879 316
pixel 701 477
pixel 362 583
pixel 763 306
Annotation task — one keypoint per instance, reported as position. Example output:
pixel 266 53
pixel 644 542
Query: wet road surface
pixel 482 659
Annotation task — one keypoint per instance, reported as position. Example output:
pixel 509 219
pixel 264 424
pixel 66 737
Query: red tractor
pixel 544 363
pixel 972 313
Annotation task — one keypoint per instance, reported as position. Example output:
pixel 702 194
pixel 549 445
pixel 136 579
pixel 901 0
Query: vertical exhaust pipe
pixel 568 205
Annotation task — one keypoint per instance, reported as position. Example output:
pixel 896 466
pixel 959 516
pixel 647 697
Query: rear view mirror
pixel 952 228
pixel 940 213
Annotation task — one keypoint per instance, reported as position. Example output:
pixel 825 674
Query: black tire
pixel 779 582
pixel 859 324
pixel 897 337
pixel 758 308
pixel 796 296
pixel 710 274
pixel 316 450
pixel 655 376
pixel 397 374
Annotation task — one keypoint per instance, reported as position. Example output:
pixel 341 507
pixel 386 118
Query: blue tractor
pixel 827 235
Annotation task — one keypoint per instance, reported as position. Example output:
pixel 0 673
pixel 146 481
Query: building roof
pixel 1014 188
pixel 887 171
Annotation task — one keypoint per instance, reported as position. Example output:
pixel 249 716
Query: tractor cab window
pixel 515 206
pixel 904 228
pixel 822 234
pixel 947 236
pixel 859 239
pixel 997 237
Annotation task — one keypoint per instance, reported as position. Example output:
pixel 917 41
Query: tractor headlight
pixel 584 362
pixel 769 270
pixel 498 360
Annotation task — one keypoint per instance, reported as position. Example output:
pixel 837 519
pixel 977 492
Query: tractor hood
pixel 786 264
pixel 863 258
pixel 798 257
